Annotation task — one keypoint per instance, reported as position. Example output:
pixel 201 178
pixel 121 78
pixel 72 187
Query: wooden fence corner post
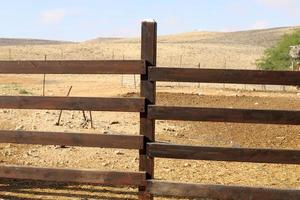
pixel 148 90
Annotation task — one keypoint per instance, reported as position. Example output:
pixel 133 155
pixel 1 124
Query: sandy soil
pixel 212 50
pixel 197 133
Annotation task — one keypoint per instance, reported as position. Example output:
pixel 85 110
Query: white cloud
pixel 290 7
pixel 53 16
pixel 260 24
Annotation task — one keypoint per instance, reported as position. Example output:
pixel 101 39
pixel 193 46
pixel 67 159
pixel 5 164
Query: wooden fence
pixel 149 112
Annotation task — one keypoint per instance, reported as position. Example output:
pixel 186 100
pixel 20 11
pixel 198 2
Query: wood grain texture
pixel 224 76
pixel 148 91
pixel 72 139
pixel 280 156
pixel 73 175
pixel 73 103
pixel 173 189
pixel 73 67
pixel 225 115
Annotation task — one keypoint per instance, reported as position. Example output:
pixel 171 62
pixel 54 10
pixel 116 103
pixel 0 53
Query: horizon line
pixel 134 37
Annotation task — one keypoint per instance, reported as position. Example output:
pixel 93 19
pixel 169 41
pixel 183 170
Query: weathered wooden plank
pixel 73 175
pixel 72 139
pixel 280 156
pixel 174 189
pixel 73 103
pixel 225 115
pixel 148 90
pixel 73 67
pixel 224 76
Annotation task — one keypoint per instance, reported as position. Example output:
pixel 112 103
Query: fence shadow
pixel 32 190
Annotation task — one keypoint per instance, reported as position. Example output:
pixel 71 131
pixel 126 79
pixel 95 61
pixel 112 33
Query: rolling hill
pixel 236 50
pixel 16 42
pixel 260 37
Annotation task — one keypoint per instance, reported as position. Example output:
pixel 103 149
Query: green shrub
pixel 277 57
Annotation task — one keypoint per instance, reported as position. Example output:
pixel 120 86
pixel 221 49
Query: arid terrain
pixel 216 50
pixel 210 49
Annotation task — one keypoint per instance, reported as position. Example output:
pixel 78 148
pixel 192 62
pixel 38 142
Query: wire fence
pixel 181 61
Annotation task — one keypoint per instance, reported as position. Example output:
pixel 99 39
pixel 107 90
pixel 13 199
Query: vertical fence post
pixel 180 65
pixel 9 54
pixel 199 67
pixel 225 66
pixel 44 79
pixel 148 90
pixel 122 76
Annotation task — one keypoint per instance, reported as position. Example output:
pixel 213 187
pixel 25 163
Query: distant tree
pixel 277 57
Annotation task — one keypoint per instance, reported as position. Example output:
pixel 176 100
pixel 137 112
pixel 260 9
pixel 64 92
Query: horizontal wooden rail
pixel 225 115
pixel 73 67
pixel 174 189
pixel 224 76
pixel 73 175
pixel 72 139
pixel 73 103
pixel 279 156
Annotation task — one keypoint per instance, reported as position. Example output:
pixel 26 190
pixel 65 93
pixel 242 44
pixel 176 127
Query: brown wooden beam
pixel 279 156
pixel 174 189
pixel 73 175
pixel 225 115
pixel 73 103
pixel 72 139
pixel 224 76
pixel 148 90
pixel 73 67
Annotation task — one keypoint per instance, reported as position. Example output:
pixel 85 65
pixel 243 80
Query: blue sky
pixel 80 20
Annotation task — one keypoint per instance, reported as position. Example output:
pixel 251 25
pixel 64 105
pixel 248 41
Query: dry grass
pixel 211 49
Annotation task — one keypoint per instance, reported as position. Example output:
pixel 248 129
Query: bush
pixel 277 57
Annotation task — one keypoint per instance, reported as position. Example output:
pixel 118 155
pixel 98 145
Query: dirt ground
pixel 195 133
